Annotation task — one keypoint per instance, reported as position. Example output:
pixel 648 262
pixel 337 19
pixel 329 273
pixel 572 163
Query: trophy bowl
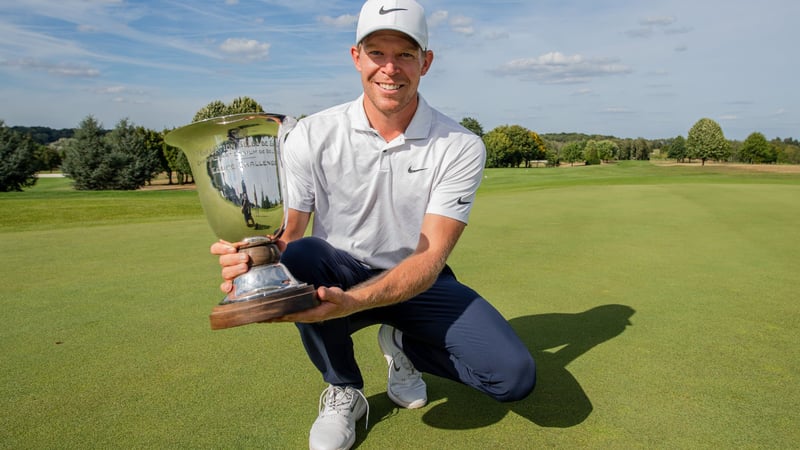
pixel 237 166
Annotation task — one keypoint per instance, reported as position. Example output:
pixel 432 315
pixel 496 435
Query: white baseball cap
pixel 406 16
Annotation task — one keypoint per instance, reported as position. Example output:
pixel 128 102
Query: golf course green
pixel 660 302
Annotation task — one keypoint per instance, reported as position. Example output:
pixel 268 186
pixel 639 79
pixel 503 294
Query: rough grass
pixel 659 302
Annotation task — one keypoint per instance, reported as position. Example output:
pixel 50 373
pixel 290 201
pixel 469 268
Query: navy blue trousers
pixel 449 330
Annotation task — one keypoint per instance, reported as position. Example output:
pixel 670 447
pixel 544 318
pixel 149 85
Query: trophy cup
pixel 237 166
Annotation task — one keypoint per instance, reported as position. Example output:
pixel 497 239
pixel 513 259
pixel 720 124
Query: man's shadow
pixel 555 340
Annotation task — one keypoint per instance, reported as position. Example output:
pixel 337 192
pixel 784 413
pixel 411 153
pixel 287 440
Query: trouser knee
pixel 518 382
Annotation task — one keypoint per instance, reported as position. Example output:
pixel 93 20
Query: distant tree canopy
pixel 236 106
pixel 706 141
pixel 18 163
pixel 44 135
pixel 677 149
pixel 119 160
pixel 757 150
pixel 472 125
pixel 513 145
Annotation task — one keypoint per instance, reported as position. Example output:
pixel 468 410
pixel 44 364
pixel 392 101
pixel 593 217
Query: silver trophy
pixel 237 166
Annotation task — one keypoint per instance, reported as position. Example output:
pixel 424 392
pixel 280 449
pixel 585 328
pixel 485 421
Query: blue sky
pixel 630 68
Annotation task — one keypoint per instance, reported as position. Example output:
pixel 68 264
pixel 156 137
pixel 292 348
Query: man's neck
pixel 392 124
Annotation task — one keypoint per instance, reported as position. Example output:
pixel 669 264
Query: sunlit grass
pixel 106 341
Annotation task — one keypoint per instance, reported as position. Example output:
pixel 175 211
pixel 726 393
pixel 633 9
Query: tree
pixel 18 163
pixel 84 157
pixel 757 150
pixel 590 154
pixel 472 125
pixel 607 150
pixel 178 163
pixel 706 141
pixel 521 145
pixel 573 152
pixel 117 160
pixel 641 149
pixel 538 151
pixel 498 147
pixel 154 152
pixel 677 149
pixel 236 106
pixel 787 150
pixel 213 109
pixel 48 157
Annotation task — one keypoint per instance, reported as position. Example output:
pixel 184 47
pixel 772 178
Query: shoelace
pixel 412 373
pixel 339 399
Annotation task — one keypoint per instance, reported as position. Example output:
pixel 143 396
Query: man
pixel 390 182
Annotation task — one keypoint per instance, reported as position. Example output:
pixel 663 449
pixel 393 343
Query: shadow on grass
pixel 555 340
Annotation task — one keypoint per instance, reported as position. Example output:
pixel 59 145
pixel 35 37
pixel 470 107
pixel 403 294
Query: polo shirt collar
pixel 419 128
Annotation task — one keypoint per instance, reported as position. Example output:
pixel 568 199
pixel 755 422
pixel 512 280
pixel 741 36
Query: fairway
pixel 660 303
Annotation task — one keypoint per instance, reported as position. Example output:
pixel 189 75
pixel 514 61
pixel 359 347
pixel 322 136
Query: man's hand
pixel 334 303
pixel 233 263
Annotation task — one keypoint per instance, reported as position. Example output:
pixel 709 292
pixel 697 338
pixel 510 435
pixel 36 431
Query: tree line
pixel 516 146
pixel 126 157
pixel 129 156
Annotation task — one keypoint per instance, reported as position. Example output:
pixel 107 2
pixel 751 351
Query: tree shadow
pixel 555 340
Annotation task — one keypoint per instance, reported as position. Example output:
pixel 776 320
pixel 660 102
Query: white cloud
pixel 437 18
pixel 59 69
pixel 616 110
pixel 679 30
pixel 343 21
pixel 558 68
pixel 640 32
pixel 497 35
pixel 247 49
pixel 462 25
pixel 658 21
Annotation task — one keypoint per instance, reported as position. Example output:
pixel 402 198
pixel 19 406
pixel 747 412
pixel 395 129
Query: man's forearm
pixel 411 277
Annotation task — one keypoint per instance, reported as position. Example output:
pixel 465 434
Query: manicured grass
pixel 659 302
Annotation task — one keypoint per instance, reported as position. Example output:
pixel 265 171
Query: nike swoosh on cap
pixel 391 10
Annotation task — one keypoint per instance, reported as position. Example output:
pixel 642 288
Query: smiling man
pixel 390 182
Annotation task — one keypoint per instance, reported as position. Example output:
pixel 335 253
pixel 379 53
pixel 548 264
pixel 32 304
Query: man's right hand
pixel 233 263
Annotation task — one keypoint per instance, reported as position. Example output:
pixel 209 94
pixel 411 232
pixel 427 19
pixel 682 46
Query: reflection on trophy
pixel 237 166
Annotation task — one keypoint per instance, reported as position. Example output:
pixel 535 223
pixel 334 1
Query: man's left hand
pixel 334 303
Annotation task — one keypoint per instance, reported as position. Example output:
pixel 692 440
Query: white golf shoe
pixel 405 386
pixel 335 427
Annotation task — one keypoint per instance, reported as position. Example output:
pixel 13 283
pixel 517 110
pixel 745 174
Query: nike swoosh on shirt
pixel 410 170
pixel 461 201
pixel 391 10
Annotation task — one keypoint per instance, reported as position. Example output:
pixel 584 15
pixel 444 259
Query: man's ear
pixel 427 61
pixel 355 53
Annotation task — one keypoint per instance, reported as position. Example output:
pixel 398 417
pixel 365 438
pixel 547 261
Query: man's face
pixel 391 65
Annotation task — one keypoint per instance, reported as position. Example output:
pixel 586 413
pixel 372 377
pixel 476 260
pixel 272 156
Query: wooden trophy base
pixel 229 315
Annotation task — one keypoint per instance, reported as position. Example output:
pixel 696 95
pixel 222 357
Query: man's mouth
pixel 389 87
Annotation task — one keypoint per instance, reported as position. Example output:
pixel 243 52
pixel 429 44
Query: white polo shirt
pixel 369 196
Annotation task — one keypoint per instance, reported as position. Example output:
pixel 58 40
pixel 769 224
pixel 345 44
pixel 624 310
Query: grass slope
pixel 659 303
